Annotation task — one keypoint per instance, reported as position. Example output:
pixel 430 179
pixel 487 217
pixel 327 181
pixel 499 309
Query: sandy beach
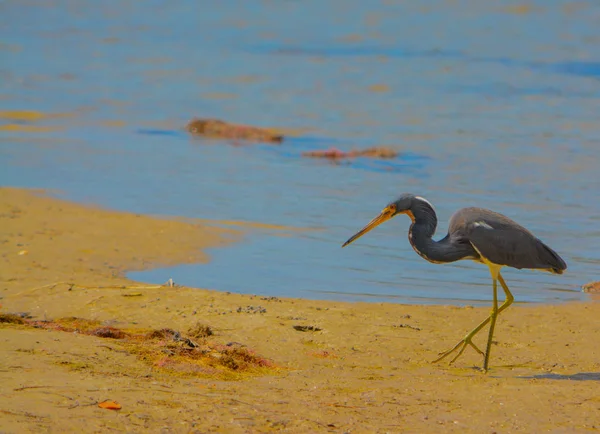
pixel 328 366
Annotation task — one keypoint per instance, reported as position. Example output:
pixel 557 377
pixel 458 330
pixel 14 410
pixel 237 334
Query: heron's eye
pixel 392 209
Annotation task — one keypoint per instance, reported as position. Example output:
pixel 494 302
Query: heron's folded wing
pixel 513 247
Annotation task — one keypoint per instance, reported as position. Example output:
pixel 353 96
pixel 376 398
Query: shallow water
pixel 493 106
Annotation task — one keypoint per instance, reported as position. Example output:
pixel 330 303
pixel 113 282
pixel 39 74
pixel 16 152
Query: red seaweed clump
pixel 220 129
pixel 379 152
pixel 166 348
pixel 592 287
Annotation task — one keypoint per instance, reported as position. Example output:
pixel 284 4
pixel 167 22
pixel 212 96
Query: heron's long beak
pixel 385 215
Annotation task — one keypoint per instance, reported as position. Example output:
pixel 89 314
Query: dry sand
pixel 367 370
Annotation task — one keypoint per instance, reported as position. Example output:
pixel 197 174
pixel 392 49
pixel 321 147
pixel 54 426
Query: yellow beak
pixel 385 215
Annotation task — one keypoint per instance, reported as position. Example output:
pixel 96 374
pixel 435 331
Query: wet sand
pixel 338 367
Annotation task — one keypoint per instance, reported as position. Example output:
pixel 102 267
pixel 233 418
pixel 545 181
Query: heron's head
pixel 403 205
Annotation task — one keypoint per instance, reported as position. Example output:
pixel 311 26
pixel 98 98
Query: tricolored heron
pixel 473 233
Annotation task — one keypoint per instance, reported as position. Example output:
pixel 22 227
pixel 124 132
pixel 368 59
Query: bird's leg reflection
pixel 467 340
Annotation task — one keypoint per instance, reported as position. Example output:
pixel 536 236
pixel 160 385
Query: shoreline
pixel 344 366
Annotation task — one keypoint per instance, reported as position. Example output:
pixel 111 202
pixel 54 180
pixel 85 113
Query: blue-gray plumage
pixel 473 233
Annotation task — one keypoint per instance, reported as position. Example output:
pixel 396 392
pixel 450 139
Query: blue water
pixel 487 106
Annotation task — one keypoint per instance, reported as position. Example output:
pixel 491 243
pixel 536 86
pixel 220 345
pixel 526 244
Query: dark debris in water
pixel 379 152
pixel 217 128
pixel 372 158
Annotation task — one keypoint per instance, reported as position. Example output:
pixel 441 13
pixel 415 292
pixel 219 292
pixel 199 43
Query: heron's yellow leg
pixel 493 317
pixel 462 344
pixel 509 297
pixel 467 340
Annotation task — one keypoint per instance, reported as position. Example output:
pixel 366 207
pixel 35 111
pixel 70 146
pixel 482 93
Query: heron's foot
pixel 461 346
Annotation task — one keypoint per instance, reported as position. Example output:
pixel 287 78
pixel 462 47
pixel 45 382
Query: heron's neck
pixel 420 237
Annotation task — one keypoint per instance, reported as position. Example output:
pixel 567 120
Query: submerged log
pixel 335 154
pixel 220 129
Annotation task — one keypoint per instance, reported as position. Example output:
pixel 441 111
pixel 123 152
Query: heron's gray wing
pixel 513 247
pixel 466 219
